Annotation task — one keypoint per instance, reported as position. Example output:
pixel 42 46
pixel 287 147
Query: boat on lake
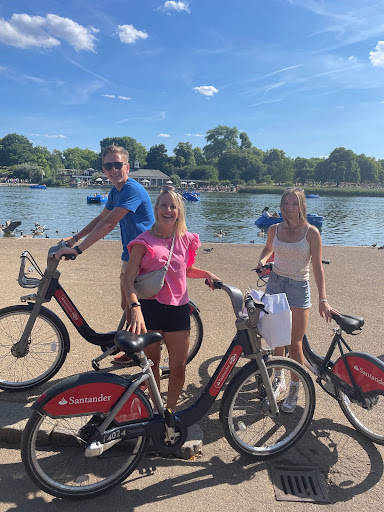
pixel 38 186
pixel 191 196
pixel 312 196
pixel 265 222
pixel 97 198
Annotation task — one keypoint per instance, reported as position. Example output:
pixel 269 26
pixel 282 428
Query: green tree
pixel 304 169
pixel 245 141
pixel 137 152
pixel 15 149
pixel 340 166
pixel 157 157
pixel 279 166
pixel 28 170
pixel 184 155
pixel 240 164
pixel 199 157
pixel 80 159
pixel 204 172
pixel 369 169
pixel 219 140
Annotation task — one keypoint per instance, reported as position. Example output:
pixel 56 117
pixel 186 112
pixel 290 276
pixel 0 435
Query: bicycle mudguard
pixel 92 393
pixel 367 372
pixel 193 307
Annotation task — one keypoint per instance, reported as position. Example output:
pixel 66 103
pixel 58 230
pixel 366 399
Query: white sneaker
pixel 278 385
pixel 289 404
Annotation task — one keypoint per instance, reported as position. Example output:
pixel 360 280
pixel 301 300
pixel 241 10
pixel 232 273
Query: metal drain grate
pixel 298 483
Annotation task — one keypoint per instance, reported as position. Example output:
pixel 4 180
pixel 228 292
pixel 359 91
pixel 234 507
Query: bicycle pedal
pixel 169 418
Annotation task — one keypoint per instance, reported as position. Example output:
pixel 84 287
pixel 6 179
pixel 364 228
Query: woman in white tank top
pixel 295 243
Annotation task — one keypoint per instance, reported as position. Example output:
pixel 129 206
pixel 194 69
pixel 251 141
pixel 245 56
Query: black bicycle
pixel 34 342
pixel 354 379
pixel 87 433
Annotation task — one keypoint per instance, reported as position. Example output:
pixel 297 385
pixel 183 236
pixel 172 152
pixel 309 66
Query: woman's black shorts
pixel 161 317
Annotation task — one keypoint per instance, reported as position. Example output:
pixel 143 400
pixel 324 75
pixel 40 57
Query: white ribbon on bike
pixel 274 327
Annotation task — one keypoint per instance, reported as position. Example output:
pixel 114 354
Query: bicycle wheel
pixel 367 421
pixel 195 340
pixel 52 450
pixel 247 424
pixel 48 346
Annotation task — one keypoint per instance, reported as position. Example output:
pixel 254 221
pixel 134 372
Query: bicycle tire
pixel 196 338
pixel 47 351
pixel 245 411
pixel 368 422
pixel 52 451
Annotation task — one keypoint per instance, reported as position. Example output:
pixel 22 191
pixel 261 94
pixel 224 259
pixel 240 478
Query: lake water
pixel 347 220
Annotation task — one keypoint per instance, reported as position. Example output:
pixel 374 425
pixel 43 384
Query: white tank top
pixel 292 258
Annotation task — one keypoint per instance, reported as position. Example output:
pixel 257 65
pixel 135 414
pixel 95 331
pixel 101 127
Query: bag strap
pixel 170 253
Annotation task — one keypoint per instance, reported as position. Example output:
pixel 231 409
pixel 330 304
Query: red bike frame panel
pixel 68 306
pixel 226 370
pixel 93 398
pixel 365 371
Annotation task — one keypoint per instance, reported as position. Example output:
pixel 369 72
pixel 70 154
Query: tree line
pixel 227 157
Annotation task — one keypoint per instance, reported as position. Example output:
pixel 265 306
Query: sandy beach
pixel 355 281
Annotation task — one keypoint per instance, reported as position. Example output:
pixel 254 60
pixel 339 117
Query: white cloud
pixel 176 6
pixel 113 97
pixel 163 135
pixel 194 135
pixel 352 58
pixel 206 90
pixel 48 136
pixel 24 31
pixel 129 34
pixel 377 57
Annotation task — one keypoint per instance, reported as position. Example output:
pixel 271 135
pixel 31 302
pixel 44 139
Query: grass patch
pixel 322 191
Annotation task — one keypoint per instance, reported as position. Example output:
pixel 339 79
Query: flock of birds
pixel 10 228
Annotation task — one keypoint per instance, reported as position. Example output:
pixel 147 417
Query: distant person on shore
pixel 167 311
pixel 265 213
pixel 295 243
pixel 128 204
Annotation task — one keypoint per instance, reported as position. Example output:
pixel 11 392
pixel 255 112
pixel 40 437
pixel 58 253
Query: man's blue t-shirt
pixel 132 197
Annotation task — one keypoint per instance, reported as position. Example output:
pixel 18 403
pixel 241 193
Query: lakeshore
pixel 330 443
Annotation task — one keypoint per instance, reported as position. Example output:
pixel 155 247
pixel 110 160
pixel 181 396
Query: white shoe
pixel 289 404
pixel 278 385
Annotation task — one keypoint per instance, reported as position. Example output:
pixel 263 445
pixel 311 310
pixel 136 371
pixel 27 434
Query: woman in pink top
pixel 295 243
pixel 168 311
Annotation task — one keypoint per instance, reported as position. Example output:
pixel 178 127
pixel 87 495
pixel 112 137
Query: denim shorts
pixel 161 317
pixel 297 292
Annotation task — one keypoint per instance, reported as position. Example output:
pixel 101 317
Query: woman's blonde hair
pixel 300 194
pixel 180 226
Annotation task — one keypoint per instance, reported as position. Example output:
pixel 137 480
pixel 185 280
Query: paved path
pixel 351 466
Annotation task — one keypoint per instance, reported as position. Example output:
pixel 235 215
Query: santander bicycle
pixel 354 379
pixel 87 433
pixel 34 341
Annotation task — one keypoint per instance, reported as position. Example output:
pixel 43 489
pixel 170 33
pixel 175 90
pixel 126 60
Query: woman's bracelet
pixel 323 300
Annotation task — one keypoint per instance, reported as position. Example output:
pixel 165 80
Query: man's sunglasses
pixel 116 165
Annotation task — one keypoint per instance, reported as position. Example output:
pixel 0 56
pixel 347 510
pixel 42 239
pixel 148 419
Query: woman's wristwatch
pixel 134 305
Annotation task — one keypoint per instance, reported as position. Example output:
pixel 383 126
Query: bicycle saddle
pixel 348 323
pixel 131 343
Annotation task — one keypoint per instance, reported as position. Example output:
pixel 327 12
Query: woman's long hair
pixel 180 225
pixel 300 194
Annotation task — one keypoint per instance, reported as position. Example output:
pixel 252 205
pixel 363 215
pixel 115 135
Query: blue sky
pixel 304 76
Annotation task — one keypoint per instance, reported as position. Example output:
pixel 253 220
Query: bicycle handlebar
pixel 237 299
pixel 270 265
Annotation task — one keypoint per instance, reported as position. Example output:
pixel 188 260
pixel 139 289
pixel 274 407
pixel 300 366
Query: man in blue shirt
pixel 128 203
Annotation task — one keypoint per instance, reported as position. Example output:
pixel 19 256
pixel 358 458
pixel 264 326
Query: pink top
pixel 174 291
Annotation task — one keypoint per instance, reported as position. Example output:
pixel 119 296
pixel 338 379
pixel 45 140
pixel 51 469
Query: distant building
pixel 149 177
